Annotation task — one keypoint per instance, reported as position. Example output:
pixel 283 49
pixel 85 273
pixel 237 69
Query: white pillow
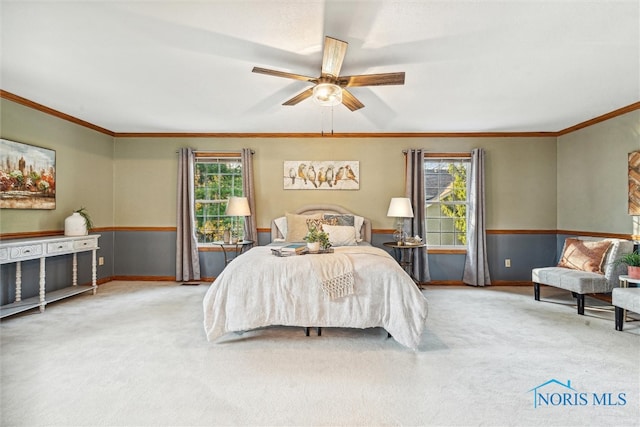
pixel 358 221
pixel 281 225
pixel 341 235
pixel 349 219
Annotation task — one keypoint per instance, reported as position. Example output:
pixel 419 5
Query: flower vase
pixel 75 225
pixel 226 236
pixel 313 246
pixel 633 272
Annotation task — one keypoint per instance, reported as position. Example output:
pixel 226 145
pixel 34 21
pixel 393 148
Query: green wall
pixel 592 176
pixel 84 169
pixel 521 176
pixel 575 182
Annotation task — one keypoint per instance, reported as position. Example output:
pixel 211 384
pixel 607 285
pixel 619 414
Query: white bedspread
pixel 258 289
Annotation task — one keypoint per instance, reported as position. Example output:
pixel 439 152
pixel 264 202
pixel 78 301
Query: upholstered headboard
pixel 365 231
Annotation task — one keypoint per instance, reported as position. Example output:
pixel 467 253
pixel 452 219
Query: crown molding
pixel 602 118
pixel 43 108
pixel 39 107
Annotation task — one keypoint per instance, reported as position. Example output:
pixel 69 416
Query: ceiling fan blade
pixel 350 101
pixel 372 80
pixel 300 97
pixel 284 74
pixel 334 52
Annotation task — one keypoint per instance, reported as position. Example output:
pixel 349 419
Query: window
pixel 217 177
pixel 445 177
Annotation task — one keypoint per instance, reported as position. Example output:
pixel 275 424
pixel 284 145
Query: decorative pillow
pixel 297 226
pixel 281 225
pixel 319 223
pixel 584 255
pixel 345 219
pixel 341 235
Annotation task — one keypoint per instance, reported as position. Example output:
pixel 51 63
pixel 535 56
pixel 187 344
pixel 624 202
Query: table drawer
pixel 25 252
pixel 59 247
pixel 85 244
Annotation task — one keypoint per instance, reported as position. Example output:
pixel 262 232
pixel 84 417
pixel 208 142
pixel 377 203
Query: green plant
pixel 87 218
pixel 315 235
pixel 631 259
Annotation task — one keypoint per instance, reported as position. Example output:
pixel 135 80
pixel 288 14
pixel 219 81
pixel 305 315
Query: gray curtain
pixel 476 267
pixel 414 190
pixel 248 190
pixel 187 259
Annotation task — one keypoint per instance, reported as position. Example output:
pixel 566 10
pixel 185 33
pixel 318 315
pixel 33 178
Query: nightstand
pixel 233 248
pixel 403 253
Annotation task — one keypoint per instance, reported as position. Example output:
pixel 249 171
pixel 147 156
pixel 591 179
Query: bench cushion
pixel 581 282
pixel 627 298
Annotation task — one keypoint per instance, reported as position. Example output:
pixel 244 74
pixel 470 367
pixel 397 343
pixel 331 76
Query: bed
pixel 356 286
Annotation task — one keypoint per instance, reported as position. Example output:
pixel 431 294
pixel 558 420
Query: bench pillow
pixel 584 255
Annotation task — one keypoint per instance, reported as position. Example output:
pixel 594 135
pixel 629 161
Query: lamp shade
pixel 238 206
pixel 400 207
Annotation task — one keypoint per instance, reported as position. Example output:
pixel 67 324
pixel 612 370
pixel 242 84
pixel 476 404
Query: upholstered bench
pixel 625 299
pixel 587 266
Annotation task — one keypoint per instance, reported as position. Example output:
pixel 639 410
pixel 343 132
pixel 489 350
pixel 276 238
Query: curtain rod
pixel 447 152
pixel 218 151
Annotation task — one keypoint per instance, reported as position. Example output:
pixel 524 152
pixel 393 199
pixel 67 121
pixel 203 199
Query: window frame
pixel 453 158
pixel 221 221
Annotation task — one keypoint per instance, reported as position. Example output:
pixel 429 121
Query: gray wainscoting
pixel 151 254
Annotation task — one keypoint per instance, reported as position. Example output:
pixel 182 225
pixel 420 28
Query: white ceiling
pixel 185 66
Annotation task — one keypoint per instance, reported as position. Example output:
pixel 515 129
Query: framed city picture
pixel 322 175
pixel 27 176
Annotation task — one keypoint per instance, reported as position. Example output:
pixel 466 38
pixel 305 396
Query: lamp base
pixel 399 236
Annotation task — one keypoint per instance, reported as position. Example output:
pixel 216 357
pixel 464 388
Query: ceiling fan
pixel 329 88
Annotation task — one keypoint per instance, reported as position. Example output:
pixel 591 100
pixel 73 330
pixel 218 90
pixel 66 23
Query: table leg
pixel 94 271
pixel 18 281
pixel 42 285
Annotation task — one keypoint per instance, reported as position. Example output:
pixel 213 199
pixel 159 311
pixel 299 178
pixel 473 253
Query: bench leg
pixel 536 291
pixel 619 318
pixel 306 331
pixel 580 300
pixel 319 331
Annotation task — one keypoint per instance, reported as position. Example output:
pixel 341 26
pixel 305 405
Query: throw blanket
pixel 335 273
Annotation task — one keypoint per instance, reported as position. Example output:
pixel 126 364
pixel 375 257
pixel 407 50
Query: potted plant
pixel 79 223
pixel 317 239
pixel 632 260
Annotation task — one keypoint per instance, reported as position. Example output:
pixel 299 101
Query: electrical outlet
pixel 101 260
pixel 507 262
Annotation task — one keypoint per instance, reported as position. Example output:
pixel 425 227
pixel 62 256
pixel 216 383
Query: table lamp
pixel 237 206
pixel 400 208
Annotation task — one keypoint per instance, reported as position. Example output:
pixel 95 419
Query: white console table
pixel 18 250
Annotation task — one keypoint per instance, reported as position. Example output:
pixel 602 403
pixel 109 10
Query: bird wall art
pixel 321 175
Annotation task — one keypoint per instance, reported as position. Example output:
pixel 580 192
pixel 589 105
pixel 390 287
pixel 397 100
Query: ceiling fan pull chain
pixel 332 120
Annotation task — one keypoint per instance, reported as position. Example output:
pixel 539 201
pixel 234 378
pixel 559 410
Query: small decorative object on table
pixel 416 240
pixel 78 224
pixel 317 239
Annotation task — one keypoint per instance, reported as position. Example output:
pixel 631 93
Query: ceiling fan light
pixel 327 94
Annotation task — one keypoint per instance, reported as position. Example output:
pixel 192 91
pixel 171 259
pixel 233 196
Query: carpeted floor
pixel 135 355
